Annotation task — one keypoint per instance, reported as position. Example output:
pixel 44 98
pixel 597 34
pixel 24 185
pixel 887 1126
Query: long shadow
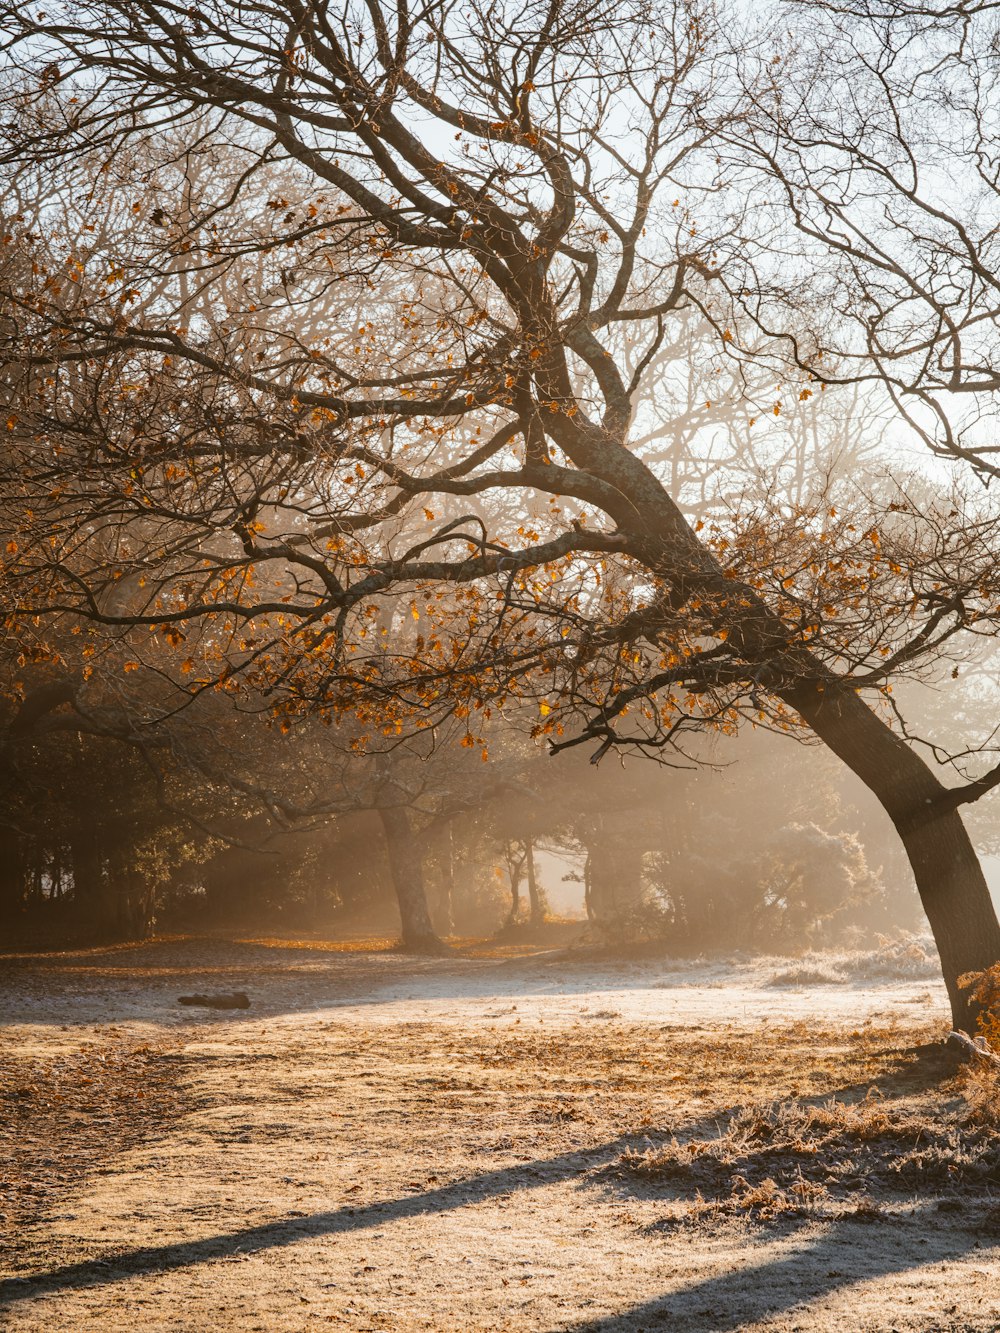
pixel 118 1267
pixel 913 1070
pixel 733 1300
pixel 842 1255
pixel 850 1250
pixel 725 1302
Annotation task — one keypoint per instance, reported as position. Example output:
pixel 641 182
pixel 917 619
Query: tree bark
pixel 949 878
pixel 514 869
pixel 448 879
pixel 535 902
pixel 418 935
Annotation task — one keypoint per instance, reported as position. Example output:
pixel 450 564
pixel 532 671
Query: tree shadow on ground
pixel 842 1254
pixel 871 1138
pixel 845 1253
pixel 885 1225
pixel 120 1266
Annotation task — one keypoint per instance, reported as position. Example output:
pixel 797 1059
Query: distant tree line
pixel 100 842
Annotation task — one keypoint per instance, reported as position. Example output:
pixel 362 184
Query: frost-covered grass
pixel 836 1157
pixel 903 957
pixel 438 1143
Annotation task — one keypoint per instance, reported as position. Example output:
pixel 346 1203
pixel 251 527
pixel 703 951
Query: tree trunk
pixel 134 899
pixel 447 909
pixel 514 867
pixel 948 875
pixel 627 853
pixel 12 874
pixel 601 875
pixel 537 915
pixel 95 899
pixel 407 872
pixel 615 865
pixel 949 878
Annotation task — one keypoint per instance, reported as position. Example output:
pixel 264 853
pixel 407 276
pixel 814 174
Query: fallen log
pixel 237 1000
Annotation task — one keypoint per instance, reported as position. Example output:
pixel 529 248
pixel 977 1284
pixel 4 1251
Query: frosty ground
pixel 543 1141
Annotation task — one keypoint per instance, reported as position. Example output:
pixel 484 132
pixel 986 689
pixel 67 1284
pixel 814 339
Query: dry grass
pixel 66 1116
pixel 902 957
pixel 980 1087
pixel 447 1156
pixel 357 944
pixel 829 1157
pixel 804 975
pixel 63 1117
pixel 469 946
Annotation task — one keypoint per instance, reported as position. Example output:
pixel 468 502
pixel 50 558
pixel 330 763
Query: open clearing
pixel 541 1142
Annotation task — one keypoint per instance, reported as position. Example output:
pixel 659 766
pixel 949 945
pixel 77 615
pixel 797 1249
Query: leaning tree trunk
pixel 418 935
pixel 948 875
pixel 949 878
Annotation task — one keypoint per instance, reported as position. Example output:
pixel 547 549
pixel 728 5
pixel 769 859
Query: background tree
pixel 870 129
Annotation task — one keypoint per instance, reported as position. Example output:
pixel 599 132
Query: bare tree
pixel 871 131
pixel 345 277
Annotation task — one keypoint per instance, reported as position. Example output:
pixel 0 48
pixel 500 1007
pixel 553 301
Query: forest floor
pixel 544 1141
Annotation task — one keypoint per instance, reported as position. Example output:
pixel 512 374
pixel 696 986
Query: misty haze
pixel 499 710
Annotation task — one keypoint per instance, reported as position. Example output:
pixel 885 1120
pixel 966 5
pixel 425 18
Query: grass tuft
pixel 791 1157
